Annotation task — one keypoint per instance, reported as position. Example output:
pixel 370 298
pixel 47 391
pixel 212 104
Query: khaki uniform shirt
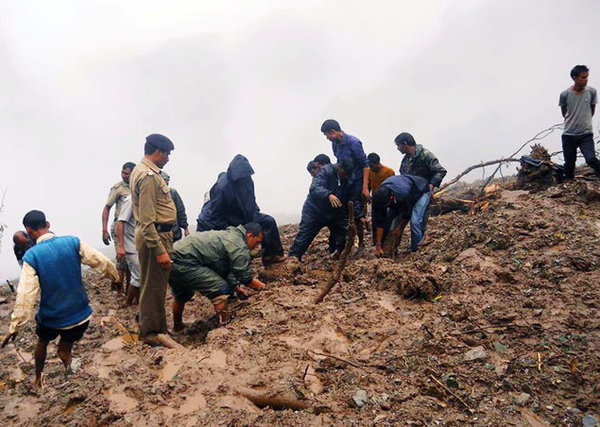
pixel 117 194
pixel 152 203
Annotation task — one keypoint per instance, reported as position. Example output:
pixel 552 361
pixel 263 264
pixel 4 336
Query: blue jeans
pixel 418 222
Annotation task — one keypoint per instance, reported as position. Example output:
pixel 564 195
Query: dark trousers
pixel 272 242
pixel 310 227
pixel 585 143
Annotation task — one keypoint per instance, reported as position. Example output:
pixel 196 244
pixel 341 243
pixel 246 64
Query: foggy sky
pixel 83 83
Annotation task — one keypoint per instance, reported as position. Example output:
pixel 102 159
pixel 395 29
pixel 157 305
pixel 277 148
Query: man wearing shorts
pixel 52 271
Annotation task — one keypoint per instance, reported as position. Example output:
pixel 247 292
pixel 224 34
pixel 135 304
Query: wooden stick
pixel 277 403
pixel 356 365
pixel 343 257
pixel 451 393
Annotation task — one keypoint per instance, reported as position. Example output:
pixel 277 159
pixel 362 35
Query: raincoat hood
pixel 239 168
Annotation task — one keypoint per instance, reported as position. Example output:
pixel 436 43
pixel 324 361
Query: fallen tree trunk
pixel 441 206
pixel 469 169
pixel 343 257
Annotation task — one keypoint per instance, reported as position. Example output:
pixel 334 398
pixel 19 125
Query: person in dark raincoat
pixel 393 202
pixel 325 206
pixel 232 203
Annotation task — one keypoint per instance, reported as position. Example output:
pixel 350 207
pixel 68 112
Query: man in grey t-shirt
pixel 578 104
pixel 126 249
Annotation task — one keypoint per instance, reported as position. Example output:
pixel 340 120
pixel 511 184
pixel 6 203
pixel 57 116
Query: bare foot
pixel 39 382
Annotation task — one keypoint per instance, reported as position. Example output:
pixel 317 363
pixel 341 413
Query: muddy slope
pixel 495 322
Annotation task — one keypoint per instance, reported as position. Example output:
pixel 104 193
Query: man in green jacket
pixel 213 263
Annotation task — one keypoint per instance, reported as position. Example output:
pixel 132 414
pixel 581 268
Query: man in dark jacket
pixel 232 203
pixel 419 161
pixel 393 203
pixel 325 207
pixel 213 263
pixel 182 221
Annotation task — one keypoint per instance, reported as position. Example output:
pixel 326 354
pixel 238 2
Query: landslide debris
pixel 494 322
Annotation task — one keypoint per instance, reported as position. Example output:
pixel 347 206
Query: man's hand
pixel 8 337
pixel 379 251
pixel 366 195
pixel 256 284
pixel 106 237
pixel 186 232
pixel 431 187
pixel 334 201
pixel 164 260
pixel 120 253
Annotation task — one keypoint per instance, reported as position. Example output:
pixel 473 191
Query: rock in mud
pixel 360 398
pixel 477 353
pixel 589 421
pixel 522 399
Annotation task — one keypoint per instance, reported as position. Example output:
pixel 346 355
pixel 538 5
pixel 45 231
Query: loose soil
pixel 515 286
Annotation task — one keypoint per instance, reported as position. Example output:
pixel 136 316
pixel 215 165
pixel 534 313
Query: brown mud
pixel 494 322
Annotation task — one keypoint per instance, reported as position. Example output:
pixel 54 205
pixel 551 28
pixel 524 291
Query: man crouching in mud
pixel 213 263
pixel 52 268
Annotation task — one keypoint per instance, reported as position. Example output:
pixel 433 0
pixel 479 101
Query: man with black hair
pixel 214 264
pixel 578 105
pixel 322 159
pixel 22 241
pixel 182 222
pixel 117 194
pixel 233 202
pixel 313 168
pixel 377 172
pixel 52 271
pixel 418 161
pixel 155 214
pixel 325 206
pixel 345 145
pixel 393 203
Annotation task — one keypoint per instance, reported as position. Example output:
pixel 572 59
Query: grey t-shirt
pixel 126 215
pixel 578 120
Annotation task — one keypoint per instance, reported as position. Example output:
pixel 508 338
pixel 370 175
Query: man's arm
pixel 105 233
pixel 438 171
pixel 120 239
pixel 181 215
pixel 95 259
pixel 563 110
pixel 318 186
pixel 365 184
pixel 240 260
pixel 593 109
pixel 27 296
pixel 147 214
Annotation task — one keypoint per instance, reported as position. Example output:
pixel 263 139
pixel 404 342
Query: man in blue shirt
pixel 344 145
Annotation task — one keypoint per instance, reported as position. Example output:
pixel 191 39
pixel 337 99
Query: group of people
pixel 215 261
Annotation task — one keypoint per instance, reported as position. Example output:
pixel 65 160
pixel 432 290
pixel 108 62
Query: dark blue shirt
pixel 351 147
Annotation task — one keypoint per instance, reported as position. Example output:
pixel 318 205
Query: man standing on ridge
pixel 578 105
pixel 419 161
pixel 52 274
pixel 155 215
pixel 117 194
pixel 344 145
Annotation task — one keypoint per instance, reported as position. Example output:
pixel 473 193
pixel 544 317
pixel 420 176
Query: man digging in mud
pixel 325 207
pixel 213 263
pixel 52 270
pixel 393 203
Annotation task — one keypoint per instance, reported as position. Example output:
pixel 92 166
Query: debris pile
pixel 493 322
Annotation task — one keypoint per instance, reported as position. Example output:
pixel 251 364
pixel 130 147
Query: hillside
pixel 494 322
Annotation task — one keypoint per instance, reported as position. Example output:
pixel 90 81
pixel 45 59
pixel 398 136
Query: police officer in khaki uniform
pixel 155 215
pixel 117 194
